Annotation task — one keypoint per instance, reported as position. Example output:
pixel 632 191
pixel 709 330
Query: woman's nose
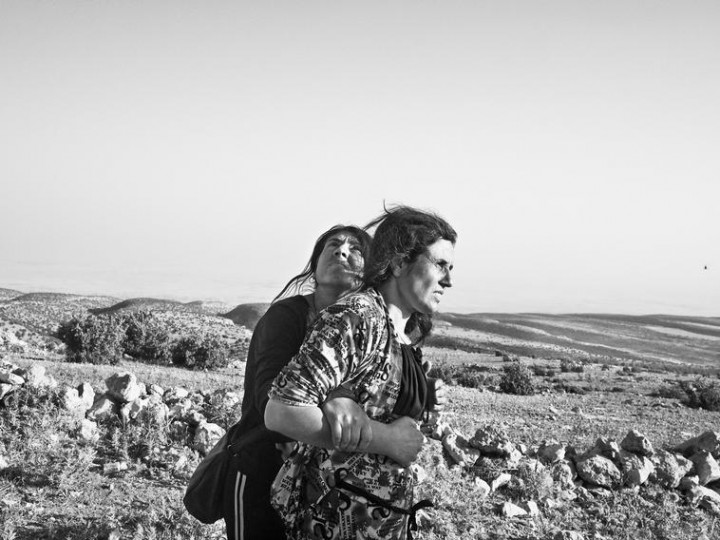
pixel 446 281
pixel 343 250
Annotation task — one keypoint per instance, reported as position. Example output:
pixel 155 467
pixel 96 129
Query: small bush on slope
pixel 146 338
pixel 702 394
pixel 92 340
pixel 200 352
pixel 517 379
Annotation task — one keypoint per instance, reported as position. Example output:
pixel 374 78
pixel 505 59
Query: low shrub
pixel 543 371
pixel 146 338
pixel 517 379
pixel 467 375
pixel 91 339
pixel 702 394
pixel 569 366
pixel 670 391
pixel 200 352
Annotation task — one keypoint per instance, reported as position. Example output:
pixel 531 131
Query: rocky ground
pixel 602 450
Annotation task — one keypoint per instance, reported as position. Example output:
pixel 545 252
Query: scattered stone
pixel 88 431
pixel 708 441
pixel 492 442
pixel 568 535
pixel 3 463
pixel 123 386
pixel 637 468
pixel 180 409
pixel 6 389
pixel 419 473
pixel 482 487
pixel 70 400
pixel 174 394
pixel 706 498
pixel 155 389
pixel 599 471
pixel 563 473
pixel 689 482
pixel 102 409
pixel 178 431
pixel 155 413
pixel 607 448
pixel 86 394
pixel 115 467
pixel 512 510
pixel 206 437
pixel 195 418
pixel 551 451
pixel 501 480
pixel 531 508
pixel 637 443
pixel 222 399
pixel 670 468
pixel 8 377
pixel 440 430
pixel 706 467
pixel 456 446
pixel 34 376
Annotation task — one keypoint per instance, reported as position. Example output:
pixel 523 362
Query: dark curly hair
pixel 403 233
pixel 305 280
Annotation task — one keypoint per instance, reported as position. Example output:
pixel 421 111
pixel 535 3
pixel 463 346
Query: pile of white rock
pixel 176 408
pixel 691 467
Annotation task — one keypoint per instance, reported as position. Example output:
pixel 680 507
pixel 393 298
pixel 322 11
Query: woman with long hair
pixel 365 346
pixel 335 268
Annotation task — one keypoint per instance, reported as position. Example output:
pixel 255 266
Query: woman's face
pixel 422 283
pixel 341 263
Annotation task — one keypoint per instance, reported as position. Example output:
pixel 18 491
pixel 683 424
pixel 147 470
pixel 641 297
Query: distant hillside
pixel 247 315
pixel 670 338
pixel 134 304
pixel 42 311
pixel 160 304
pixel 6 294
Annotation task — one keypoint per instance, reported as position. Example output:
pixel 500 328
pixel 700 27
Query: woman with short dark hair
pixel 363 346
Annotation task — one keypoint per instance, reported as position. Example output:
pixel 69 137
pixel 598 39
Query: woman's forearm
pixel 301 423
pixel 400 440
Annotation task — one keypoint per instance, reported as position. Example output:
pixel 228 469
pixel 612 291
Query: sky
pixel 195 149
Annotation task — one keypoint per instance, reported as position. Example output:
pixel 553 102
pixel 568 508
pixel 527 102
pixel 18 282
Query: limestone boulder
pixel 637 443
pixel 492 442
pixel 88 431
pixel 551 451
pixel 103 409
pixel 670 468
pixel 459 450
pixel 510 510
pixel 6 389
pixel 123 387
pixel 706 498
pixel 206 437
pixel 8 377
pixel 706 467
pixel 175 394
pixel 599 471
pixel 708 441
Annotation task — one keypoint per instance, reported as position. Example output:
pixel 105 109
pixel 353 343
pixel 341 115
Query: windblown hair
pixel 304 282
pixel 402 234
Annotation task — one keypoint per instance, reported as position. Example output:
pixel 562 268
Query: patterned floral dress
pixel 352 344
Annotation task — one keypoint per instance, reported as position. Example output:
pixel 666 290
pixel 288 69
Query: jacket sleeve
pixel 280 335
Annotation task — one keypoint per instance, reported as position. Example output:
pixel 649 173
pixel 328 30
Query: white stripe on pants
pixel 239 514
